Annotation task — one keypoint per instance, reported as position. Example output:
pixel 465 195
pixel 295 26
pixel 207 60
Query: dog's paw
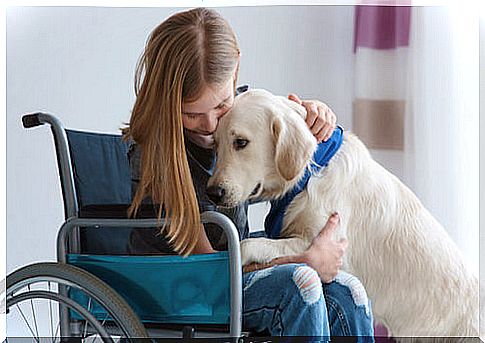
pixel 255 250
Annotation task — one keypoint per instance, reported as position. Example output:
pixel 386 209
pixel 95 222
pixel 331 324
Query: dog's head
pixel 263 146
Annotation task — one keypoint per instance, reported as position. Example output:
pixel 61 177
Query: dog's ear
pixel 294 145
pixel 294 106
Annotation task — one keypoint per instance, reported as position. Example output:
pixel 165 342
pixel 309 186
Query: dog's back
pixel 412 270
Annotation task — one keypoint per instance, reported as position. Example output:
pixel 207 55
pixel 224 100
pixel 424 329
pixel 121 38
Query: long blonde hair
pixel 185 53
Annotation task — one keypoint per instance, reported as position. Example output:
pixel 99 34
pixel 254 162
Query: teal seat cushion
pixel 164 289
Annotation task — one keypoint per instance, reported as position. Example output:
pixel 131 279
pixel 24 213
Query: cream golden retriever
pixel 413 272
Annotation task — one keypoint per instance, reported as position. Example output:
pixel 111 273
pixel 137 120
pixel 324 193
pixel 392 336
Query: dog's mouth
pixel 256 191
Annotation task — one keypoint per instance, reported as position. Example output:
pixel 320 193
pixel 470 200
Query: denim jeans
pixel 290 300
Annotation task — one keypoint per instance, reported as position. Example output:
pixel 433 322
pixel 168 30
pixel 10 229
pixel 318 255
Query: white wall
pixel 482 158
pixel 78 63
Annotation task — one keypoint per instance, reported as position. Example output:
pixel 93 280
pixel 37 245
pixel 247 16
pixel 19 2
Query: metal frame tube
pixel 64 163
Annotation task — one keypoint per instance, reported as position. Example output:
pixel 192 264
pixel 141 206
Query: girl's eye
pixel 240 143
pixel 190 116
pixel 221 106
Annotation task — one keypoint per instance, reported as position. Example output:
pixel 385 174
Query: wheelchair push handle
pixel 40 118
pixel 31 120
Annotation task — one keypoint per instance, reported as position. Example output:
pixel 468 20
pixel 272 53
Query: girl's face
pixel 201 117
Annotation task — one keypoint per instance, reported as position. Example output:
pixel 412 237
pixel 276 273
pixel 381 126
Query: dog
pixel 412 271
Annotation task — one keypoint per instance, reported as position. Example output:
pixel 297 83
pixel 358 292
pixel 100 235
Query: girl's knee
pixel 308 283
pixel 292 279
pixel 356 288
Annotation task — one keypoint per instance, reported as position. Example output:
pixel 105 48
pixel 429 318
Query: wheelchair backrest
pixel 100 166
pixel 101 176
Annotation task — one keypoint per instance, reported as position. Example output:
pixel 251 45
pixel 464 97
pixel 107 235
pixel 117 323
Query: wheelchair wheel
pixel 39 296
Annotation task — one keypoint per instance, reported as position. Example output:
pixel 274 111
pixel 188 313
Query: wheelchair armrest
pixel 207 217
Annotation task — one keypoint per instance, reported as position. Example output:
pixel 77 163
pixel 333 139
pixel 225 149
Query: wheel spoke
pixel 27 322
pixel 57 329
pixel 33 314
pixel 105 319
pixel 85 322
pixel 50 314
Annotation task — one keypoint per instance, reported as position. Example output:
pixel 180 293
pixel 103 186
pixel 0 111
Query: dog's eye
pixel 240 143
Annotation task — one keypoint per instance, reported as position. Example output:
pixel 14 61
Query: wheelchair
pixel 97 291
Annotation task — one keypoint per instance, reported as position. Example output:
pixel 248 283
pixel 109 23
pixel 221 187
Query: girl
pixel 185 82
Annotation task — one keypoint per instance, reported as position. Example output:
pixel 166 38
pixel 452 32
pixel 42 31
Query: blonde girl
pixel 185 82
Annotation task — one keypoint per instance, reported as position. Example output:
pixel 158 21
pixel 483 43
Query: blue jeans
pixel 290 300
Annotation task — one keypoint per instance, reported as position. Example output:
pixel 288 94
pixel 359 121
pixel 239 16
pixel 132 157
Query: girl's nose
pixel 211 121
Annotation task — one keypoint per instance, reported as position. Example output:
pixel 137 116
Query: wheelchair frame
pixel 68 235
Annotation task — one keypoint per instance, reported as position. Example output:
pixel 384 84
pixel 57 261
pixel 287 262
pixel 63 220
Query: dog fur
pixel 413 272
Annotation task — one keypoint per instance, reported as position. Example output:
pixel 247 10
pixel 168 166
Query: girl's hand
pixel 320 118
pixel 324 254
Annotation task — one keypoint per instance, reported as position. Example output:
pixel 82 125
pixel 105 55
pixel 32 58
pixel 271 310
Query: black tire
pixel 71 276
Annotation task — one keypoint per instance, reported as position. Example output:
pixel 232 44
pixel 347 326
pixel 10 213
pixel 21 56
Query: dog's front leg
pixel 263 250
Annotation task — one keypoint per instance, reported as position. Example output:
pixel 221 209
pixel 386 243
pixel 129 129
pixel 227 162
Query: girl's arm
pixel 203 245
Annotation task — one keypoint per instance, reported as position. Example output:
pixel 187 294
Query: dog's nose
pixel 216 193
